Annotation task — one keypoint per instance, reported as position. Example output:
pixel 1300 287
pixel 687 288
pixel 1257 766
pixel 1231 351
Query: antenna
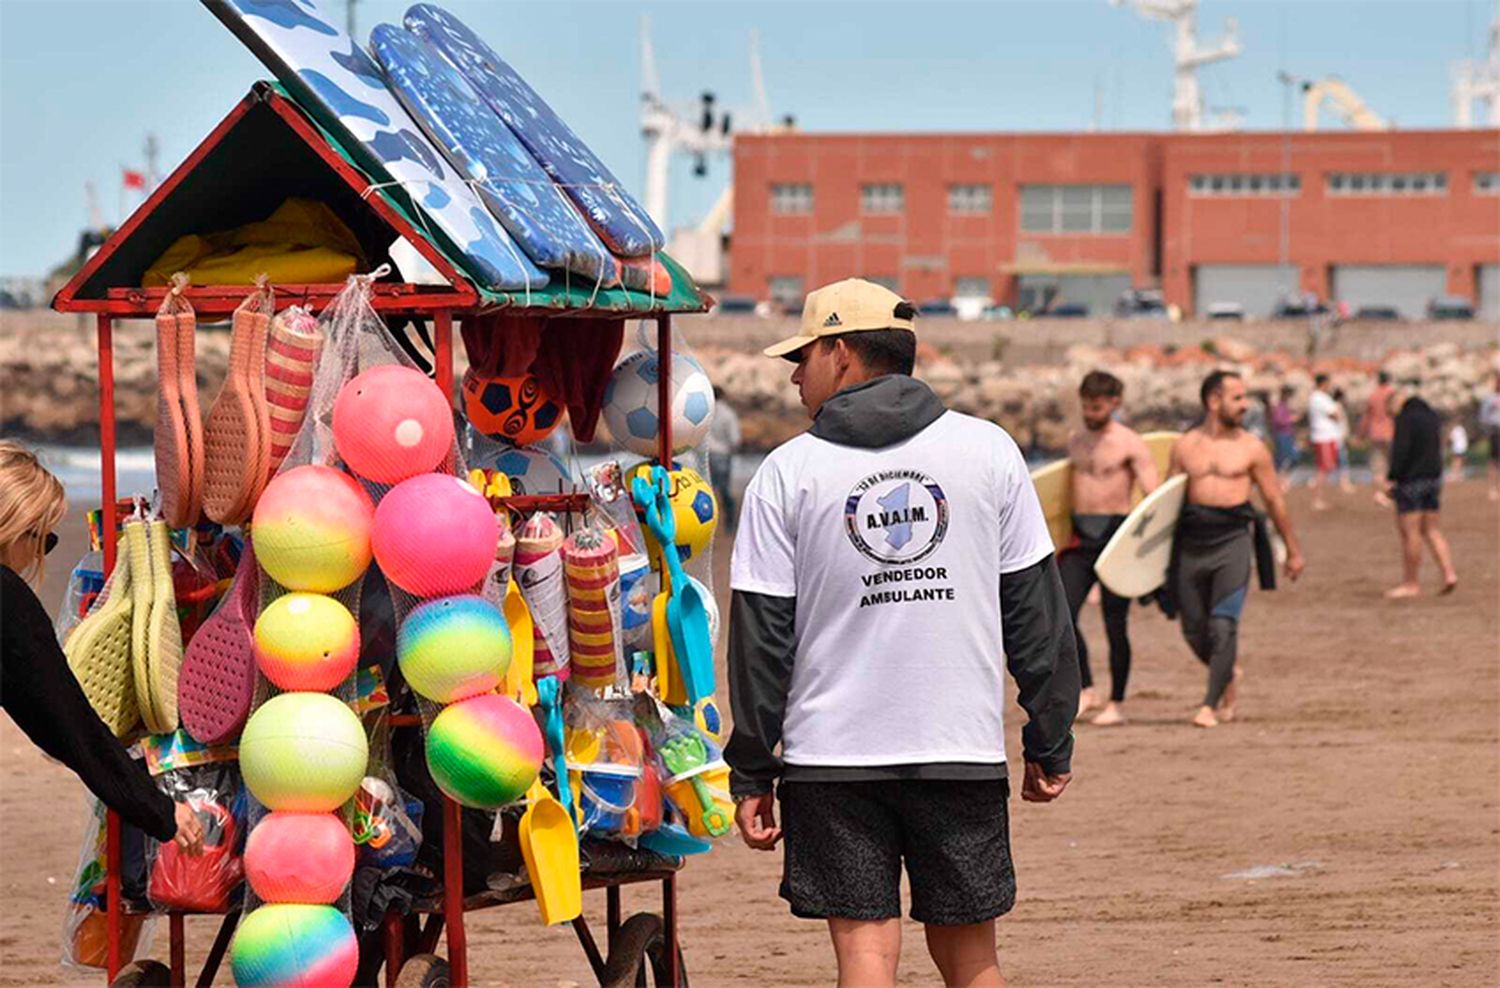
pixel 1187 98
pixel 153 150
pixel 1474 80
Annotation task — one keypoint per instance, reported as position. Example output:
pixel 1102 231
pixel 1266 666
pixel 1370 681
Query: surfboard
pixel 1054 488
pixel 1160 444
pixel 1135 560
pixel 337 82
pixel 614 213
pixel 523 197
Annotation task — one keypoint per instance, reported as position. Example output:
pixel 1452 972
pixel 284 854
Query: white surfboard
pixel 1135 560
pixel 1054 488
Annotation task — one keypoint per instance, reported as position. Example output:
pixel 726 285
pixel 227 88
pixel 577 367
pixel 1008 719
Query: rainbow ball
pixel 454 648
pixel 312 529
pixel 306 641
pixel 303 752
pixel 485 751
pixel 292 945
pixel 299 857
pixel 434 535
pixel 391 423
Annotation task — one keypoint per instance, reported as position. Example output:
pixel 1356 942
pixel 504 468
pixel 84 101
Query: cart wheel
pixel 423 971
pixel 143 974
pixel 639 956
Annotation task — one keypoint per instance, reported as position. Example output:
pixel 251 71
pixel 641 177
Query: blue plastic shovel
pixel 549 693
pixel 687 612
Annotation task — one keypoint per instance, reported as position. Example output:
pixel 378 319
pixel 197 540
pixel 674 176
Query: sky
pixel 82 82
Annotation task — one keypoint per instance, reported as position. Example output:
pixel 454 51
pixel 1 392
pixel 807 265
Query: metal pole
pixel 453 893
pixel 1284 235
pixel 106 354
pixel 442 351
pixel 664 388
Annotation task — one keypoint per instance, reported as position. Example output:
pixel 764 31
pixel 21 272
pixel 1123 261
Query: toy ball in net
pixel 312 529
pixel 453 648
pixel 485 751
pixel 306 641
pixel 289 945
pixel 390 423
pixel 303 752
pixel 299 857
pixel 694 505
pixel 630 406
pixel 512 409
pixel 435 535
pixel 533 470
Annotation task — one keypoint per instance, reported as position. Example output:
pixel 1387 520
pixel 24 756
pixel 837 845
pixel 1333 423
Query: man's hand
pixel 1294 564
pixel 1039 787
pixel 189 835
pixel 756 817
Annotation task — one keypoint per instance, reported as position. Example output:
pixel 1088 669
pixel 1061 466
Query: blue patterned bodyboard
pixel 614 213
pixel 339 84
pixel 518 192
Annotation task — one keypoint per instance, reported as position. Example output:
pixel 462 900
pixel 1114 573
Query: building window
pixel 1487 183
pixel 1083 209
pixel 976 286
pixel 787 291
pixel 791 199
pixel 1387 183
pixel 1244 184
pixel 973 199
pixel 882 197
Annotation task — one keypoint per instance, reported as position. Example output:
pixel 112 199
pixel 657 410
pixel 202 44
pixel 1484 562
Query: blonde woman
pixel 36 687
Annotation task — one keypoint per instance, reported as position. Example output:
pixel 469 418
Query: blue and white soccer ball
pixel 531 469
pixel 630 406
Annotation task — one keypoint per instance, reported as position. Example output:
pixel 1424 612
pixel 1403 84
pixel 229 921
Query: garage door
pixel 1099 292
pixel 1489 292
pixel 1256 288
pixel 1405 287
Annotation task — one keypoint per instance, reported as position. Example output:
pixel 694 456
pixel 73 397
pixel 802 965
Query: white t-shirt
pixel 1322 418
pixel 895 556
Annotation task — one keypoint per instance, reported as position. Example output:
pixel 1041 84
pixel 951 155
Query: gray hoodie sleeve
pixel 1043 658
pixel 762 648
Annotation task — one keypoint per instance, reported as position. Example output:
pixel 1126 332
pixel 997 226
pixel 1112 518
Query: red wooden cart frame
pixel 442 303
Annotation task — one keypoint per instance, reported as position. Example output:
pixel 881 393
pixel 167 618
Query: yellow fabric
pixel 302 242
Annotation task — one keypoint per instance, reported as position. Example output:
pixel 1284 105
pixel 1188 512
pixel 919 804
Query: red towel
pixel 572 357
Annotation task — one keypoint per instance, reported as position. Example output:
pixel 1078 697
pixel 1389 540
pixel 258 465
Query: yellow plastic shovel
pixel 549 845
pixel 518 680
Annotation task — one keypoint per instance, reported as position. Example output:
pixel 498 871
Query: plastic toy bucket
pixel 684 794
pixel 607 795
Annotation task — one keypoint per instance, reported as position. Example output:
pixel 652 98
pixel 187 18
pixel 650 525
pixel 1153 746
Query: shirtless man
pixel 1109 459
pixel 1214 542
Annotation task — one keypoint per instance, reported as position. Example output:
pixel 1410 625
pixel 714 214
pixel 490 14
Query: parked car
pixel 1066 310
pixel 1377 313
pixel 997 313
pixel 1226 310
pixel 1446 307
pixel 1141 303
pixel 939 307
pixel 735 305
pixel 1299 308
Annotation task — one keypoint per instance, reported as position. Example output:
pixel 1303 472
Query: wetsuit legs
pixel 1116 627
pixel 1077 572
pixel 1212 582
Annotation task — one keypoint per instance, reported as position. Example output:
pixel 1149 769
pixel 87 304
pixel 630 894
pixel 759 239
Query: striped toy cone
pixel 291 361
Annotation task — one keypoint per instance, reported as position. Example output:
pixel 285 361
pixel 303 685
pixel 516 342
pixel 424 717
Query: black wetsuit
pixel 1213 551
pixel 1091 533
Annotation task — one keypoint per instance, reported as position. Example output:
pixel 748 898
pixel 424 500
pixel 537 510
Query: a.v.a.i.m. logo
pixel 896 516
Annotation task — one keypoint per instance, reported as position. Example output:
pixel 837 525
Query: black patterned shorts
pixel 846 843
pixel 1418 495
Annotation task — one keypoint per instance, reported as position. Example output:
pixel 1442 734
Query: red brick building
pixel 1388 219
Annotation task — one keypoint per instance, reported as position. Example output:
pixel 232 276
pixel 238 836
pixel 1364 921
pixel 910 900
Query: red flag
pixel 132 179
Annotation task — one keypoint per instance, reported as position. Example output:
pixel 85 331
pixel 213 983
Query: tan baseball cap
pixel 850 306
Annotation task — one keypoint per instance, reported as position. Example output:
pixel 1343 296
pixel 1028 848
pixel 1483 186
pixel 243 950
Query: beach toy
pixel 179 420
pixel 708 719
pixel 236 430
pixel 520 680
pixel 312 529
pixel 294 945
pixel 299 857
pixel 303 752
pixel 539 574
pixel 485 751
pixel 306 641
pixel 687 614
pixel 454 648
pixel 670 840
pixel 387 824
pixel 591 562
pixel 199 882
pixel 695 509
pixel 164 633
pixel 699 787
pixel 606 796
pixel 142 588
pixel 98 651
pixel 549 846
pixel 390 423
pixel 217 684
pixel 291 361
pixel 549 695
pixel 434 535
pixel 515 409
pixel 631 408
pixel 532 470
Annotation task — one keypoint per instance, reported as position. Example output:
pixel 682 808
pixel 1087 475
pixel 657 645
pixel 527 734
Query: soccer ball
pixel 630 407
pixel 531 469
pixel 693 505
pixel 512 409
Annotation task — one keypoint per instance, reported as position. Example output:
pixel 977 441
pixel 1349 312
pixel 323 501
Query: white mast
pixel 1187 99
pixel 1479 81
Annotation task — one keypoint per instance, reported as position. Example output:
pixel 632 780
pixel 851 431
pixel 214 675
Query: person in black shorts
pixel 1415 483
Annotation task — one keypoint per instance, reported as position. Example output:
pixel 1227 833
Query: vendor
pixel 36 687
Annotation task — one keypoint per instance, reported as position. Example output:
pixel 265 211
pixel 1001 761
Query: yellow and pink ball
pixel 303 752
pixel 305 858
pixel 312 529
pixel 453 648
pixel 391 423
pixel 294 946
pixel 434 535
pixel 485 751
pixel 306 641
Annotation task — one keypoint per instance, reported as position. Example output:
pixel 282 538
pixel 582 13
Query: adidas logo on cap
pixel 833 320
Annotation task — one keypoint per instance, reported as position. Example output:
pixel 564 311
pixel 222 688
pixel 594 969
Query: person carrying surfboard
pixel 1109 460
pixel 885 562
pixel 1219 531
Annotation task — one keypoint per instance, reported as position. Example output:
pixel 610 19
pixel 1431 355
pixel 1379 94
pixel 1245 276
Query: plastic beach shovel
pixel 518 681
pixel 687 612
pixel 549 845
pixel 685 754
pixel 549 693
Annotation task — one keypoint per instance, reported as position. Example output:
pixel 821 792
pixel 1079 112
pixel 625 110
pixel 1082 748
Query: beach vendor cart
pixel 282 143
